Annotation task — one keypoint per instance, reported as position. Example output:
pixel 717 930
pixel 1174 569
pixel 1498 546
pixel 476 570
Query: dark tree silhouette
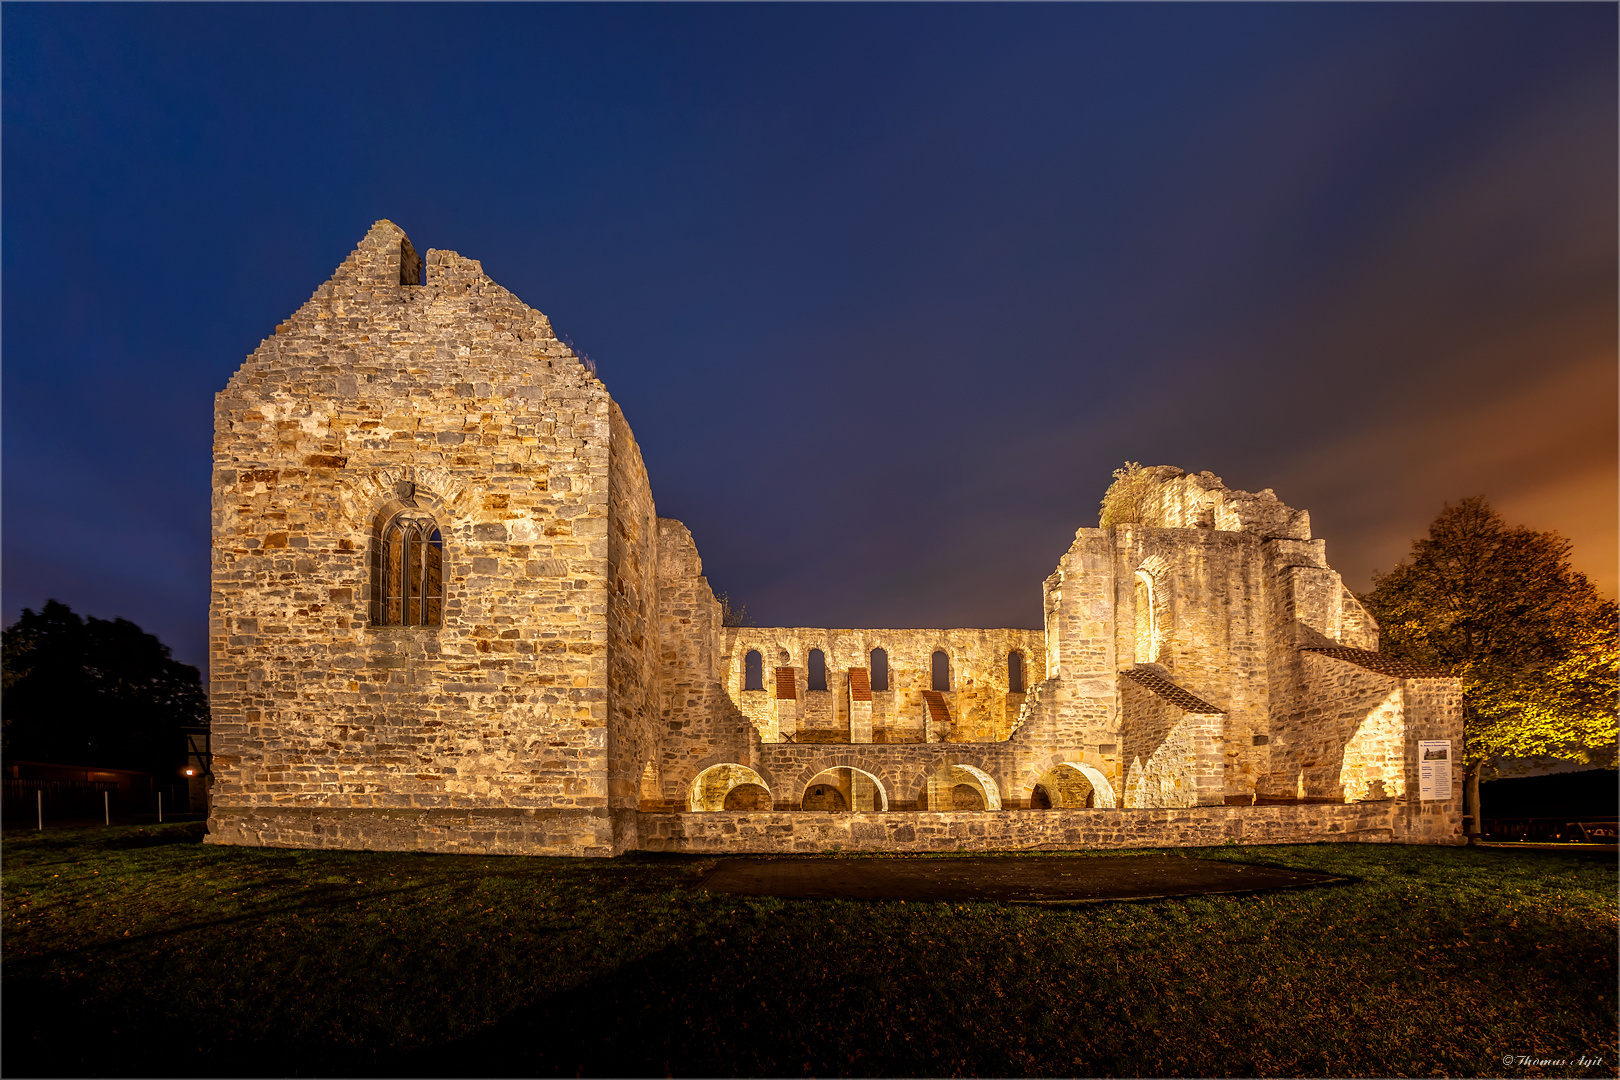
pixel 94 692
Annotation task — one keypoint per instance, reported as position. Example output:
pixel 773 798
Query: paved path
pixel 1039 879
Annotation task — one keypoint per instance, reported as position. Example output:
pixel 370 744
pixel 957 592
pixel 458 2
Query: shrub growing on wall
pixel 1125 500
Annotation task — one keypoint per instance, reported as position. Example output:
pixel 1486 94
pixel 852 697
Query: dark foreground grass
pixel 140 951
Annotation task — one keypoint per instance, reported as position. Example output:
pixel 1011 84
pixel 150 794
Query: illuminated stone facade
pixel 563 683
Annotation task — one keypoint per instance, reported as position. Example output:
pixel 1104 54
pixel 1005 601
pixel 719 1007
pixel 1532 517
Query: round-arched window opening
pixel 942 671
pixel 1147 619
pixel 880 669
pixel 753 671
pixel 818 670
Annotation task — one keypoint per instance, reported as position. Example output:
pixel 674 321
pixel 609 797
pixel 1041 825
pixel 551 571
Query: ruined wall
pixel 979 703
pixel 1037 830
pixel 1182 500
pixel 1211 620
pixel 1433 710
pixel 456 387
pixel 1174 755
pixel 575 685
pixel 699 725
pixel 632 628
pixel 1343 740
pixel 1074 708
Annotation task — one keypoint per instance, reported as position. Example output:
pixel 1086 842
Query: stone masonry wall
pixel 1213 616
pixel 1181 500
pixel 457 387
pixel 1433 710
pixel 1174 757
pixel 1028 830
pixel 700 725
pixel 982 708
pixel 579 687
pixel 1075 708
pixel 632 628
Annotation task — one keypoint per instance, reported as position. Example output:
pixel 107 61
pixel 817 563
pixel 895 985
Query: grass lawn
pixel 140 951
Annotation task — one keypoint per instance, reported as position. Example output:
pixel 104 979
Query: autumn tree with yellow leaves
pixel 1536 647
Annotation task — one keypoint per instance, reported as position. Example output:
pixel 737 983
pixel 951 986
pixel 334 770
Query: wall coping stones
pixel 1151 680
pixel 1392 666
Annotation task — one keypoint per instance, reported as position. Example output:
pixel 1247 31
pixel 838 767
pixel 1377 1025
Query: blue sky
pixel 886 291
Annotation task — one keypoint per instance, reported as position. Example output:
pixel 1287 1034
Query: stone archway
pixel 956 785
pixel 1059 784
pixel 859 790
pixel 986 785
pixel 711 786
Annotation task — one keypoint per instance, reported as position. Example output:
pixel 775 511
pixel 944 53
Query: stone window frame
pixel 934 678
pixel 810 671
pixel 409 518
pixel 1021 683
pixel 1149 576
pixel 873 669
pixel 754 674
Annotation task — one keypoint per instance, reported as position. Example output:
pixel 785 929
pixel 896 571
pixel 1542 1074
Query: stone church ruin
pixel 447 617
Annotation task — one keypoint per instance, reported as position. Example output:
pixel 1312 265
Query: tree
pixel 93 692
pixel 1532 641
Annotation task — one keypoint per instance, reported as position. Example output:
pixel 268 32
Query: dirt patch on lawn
pixel 1050 880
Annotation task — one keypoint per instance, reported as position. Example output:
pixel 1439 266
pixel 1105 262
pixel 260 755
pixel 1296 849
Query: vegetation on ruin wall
pixel 141 951
pixel 1124 501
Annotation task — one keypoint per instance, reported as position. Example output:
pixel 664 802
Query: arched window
pixel 818 670
pixel 407 587
pixel 1147 620
pixel 942 671
pixel 1015 672
pixel 880 669
pixel 753 671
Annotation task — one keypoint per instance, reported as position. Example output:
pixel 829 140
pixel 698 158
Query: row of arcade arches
pixel 1066 785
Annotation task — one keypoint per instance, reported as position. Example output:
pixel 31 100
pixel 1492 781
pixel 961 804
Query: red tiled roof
pixel 860 687
pixel 1392 666
pixel 937 710
pixel 1151 680
pixel 786 685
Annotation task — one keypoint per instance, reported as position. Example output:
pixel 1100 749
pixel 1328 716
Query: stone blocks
pixel 575 692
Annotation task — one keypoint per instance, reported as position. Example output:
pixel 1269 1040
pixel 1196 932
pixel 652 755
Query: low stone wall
pixel 452 832
pixel 1027 830
pixel 598 833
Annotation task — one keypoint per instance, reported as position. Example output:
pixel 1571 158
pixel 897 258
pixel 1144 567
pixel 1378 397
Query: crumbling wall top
pixel 1172 498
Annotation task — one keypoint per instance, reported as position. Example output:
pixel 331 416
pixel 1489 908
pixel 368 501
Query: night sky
pixel 886 292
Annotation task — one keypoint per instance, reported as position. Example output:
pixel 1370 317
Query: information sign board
pixel 1434 769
